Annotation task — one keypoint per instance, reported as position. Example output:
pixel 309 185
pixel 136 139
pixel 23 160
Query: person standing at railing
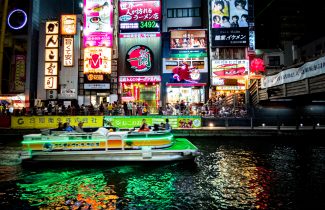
pixel 144 111
pixel 109 109
pixel 134 108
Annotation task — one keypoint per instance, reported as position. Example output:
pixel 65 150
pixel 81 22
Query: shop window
pixel 274 60
pixel 183 12
pixel 127 91
pixel 170 13
pixel 189 95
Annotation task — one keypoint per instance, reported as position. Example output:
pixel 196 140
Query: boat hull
pixel 111 155
pixel 182 149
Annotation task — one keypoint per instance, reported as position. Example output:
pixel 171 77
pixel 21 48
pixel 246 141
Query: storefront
pixel 191 93
pixel 185 80
pixel 185 67
pixel 14 101
pixel 229 81
pixel 141 89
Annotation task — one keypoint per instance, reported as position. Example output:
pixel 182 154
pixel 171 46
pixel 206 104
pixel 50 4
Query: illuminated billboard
pixel 188 43
pixel 97 60
pixel 139 16
pixel 139 58
pixel 98 23
pixel 229 22
pixel 68 24
pixel 51 55
pixel 229 14
pixel 228 69
pixel 68 51
pixel 51 82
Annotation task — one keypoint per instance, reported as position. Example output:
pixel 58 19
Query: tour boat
pixel 102 145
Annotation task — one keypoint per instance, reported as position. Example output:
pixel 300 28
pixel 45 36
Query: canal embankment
pixel 216 131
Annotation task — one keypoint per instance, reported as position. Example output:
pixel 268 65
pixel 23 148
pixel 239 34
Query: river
pixel 231 173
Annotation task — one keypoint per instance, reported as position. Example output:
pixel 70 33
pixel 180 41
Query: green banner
pixel 136 121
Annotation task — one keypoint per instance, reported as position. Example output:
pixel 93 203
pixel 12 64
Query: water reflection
pixel 72 189
pixel 235 180
pixel 229 175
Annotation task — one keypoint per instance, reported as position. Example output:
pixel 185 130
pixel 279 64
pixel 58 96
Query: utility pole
pixel 2 37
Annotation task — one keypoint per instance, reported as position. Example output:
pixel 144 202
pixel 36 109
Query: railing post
pixel 252 126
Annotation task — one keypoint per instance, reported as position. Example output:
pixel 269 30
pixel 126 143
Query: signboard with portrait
pixel 98 23
pixel 229 13
pixel 139 16
pixel 188 42
pixel 139 58
pixel 230 22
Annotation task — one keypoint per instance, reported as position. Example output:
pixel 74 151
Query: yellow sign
pixel 52 27
pixel 68 24
pixel 52 54
pixel 51 82
pixel 51 68
pixel 43 122
pixel 97 60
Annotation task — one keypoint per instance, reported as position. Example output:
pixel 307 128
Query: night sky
pixel 298 20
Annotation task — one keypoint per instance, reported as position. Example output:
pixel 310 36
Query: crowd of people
pixel 214 107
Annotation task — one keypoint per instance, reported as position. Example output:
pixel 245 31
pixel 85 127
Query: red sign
pixel 257 65
pixel 134 11
pixel 138 35
pixel 140 79
pixel 139 58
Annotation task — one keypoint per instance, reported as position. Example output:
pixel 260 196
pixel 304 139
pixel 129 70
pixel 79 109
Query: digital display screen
pixel 141 26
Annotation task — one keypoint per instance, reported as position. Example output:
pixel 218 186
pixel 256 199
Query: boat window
pixel 136 136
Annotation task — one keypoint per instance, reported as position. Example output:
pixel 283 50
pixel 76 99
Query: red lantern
pixel 257 65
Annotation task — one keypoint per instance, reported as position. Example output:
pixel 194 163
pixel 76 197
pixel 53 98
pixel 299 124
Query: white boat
pixel 103 145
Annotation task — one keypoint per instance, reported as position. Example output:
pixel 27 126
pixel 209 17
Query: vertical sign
pixel 139 16
pixel 97 60
pixel 51 55
pixel 98 23
pixel 68 51
pixel 19 80
pixel 98 40
pixel 68 24
pixel 229 22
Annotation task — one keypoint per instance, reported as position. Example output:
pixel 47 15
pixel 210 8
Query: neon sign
pixel 20 19
pixel 149 24
pixel 140 58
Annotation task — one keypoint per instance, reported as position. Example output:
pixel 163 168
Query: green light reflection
pixel 68 189
pixel 156 189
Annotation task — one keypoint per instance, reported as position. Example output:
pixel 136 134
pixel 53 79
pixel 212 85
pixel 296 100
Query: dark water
pixel 232 173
